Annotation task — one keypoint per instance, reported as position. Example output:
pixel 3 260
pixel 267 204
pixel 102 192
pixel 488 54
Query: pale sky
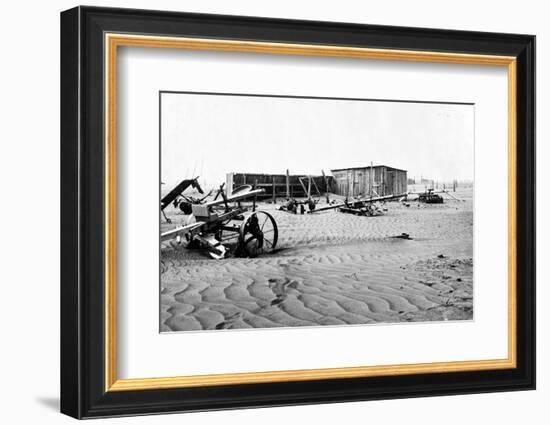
pixel 211 135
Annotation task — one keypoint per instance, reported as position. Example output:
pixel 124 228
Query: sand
pixel 330 269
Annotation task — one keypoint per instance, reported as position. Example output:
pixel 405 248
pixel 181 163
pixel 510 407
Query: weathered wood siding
pixel 358 181
pixel 277 183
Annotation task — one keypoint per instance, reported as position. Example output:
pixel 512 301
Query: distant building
pixel 378 180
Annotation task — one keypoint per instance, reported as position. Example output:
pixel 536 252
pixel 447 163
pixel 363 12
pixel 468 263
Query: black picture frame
pixel 83 392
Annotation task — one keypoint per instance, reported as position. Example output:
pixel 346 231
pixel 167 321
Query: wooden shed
pixel 377 180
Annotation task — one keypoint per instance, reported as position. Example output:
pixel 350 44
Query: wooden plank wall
pixel 357 181
pixel 277 182
pixel 400 185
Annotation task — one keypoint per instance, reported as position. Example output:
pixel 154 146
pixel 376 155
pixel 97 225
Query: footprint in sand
pixel 278 300
pixel 279 287
pixel 228 322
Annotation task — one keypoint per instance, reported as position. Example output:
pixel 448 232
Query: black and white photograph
pixel 287 211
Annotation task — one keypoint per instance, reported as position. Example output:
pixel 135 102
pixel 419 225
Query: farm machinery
pixel 224 226
pixel 308 183
pixel 294 206
pixel 178 200
pixel 429 196
pixel 362 206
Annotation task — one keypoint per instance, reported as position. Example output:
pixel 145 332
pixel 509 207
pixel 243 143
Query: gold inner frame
pixel 113 41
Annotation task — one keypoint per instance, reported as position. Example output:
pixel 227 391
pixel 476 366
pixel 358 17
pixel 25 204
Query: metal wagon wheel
pixel 258 234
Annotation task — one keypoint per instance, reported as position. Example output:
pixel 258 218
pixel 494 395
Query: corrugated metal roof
pixel 368 166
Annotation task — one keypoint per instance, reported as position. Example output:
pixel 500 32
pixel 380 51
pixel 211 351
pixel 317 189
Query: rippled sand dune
pixel 330 269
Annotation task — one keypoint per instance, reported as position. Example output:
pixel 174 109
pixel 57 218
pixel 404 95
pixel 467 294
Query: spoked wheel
pixel 258 234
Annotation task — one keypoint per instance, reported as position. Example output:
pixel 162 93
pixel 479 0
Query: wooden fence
pixel 282 185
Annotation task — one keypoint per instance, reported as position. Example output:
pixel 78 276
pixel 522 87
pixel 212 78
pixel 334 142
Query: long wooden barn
pixel 377 180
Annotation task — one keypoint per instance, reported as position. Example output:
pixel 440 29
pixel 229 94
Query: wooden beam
pixel 287 185
pixel 316 187
pixel 326 185
pixel 302 183
pixel 357 203
pixel 371 179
